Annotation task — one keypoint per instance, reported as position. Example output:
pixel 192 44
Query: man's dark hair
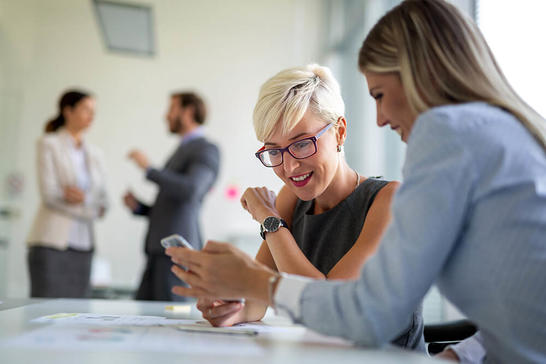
pixel 194 100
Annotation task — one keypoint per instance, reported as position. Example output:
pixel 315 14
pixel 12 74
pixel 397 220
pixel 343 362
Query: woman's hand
pixel 260 202
pixel 130 201
pixel 448 354
pixel 73 195
pixel 220 312
pixel 220 270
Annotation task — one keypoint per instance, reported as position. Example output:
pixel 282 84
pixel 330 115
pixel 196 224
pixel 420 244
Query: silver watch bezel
pixel 271 224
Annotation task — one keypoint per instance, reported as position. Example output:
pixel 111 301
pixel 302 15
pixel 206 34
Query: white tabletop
pixel 293 345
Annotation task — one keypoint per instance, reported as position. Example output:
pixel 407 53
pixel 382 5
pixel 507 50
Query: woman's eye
pixel 273 152
pixel 302 144
pixel 377 96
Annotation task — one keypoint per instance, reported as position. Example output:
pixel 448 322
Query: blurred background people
pixel 183 183
pixel 71 180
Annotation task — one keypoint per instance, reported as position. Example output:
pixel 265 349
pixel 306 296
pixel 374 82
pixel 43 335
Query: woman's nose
pixel 381 122
pixel 381 119
pixel 290 163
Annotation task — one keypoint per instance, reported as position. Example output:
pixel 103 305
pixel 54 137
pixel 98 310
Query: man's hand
pixel 73 195
pixel 139 158
pixel 130 201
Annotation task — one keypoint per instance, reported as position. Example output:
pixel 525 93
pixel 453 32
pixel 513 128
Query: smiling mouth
pixel 302 179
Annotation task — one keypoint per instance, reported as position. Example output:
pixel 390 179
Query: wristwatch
pixel 271 224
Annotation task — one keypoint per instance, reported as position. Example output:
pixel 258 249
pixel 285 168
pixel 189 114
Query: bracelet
pixel 271 283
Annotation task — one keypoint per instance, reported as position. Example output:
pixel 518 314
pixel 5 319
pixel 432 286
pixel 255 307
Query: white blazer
pixel 56 170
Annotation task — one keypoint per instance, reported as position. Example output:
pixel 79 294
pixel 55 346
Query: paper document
pixel 136 339
pixel 99 319
pixel 91 332
pixel 182 324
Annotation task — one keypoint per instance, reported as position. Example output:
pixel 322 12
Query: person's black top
pixel 325 238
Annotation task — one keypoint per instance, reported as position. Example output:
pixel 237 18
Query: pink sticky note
pixel 232 192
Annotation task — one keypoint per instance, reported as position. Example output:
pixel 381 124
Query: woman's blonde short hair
pixel 284 99
pixel 442 58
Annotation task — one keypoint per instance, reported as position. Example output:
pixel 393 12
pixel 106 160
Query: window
pixel 514 31
pixel 126 27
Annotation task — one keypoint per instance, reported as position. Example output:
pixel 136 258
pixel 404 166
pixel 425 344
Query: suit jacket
pixel 55 217
pixel 183 183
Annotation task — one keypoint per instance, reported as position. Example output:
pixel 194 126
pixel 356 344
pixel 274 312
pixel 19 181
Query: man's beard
pixel 176 126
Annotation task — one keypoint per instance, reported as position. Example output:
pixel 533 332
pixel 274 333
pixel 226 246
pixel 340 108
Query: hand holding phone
pixel 175 240
pixel 178 241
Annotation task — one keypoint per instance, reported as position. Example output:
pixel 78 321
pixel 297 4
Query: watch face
pixel 272 224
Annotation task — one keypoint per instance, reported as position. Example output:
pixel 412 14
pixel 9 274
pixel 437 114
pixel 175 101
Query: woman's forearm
pixel 288 256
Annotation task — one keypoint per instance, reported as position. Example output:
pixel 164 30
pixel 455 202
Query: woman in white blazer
pixel 73 194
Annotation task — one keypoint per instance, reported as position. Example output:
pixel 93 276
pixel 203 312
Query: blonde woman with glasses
pixel 327 219
pixel 470 215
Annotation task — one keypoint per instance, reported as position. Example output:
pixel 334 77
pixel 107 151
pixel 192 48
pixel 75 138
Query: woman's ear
pixel 341 130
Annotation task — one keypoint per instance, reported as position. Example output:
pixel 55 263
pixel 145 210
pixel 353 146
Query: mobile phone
pixel 175 240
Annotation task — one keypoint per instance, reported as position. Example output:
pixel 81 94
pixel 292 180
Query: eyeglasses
pixel 301 149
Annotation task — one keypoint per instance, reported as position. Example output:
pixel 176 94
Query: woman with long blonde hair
pixel 470 215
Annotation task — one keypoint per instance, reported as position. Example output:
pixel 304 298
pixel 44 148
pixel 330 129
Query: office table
pixel 292 344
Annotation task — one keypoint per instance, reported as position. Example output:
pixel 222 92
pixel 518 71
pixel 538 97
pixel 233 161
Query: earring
pixel 338 148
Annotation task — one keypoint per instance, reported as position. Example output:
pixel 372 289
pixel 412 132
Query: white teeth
pixel 300 178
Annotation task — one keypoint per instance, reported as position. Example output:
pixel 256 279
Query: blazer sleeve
pixel 195 182
pixel 51 189
pixel 142 209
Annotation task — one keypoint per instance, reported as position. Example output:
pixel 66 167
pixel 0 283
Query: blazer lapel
pixel 67 168
pixel 175 157
pixel 92 167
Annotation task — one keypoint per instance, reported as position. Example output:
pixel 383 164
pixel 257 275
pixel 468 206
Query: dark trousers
pixel 59 273
pixel 158 280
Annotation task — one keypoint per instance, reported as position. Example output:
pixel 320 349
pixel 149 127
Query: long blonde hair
pixel 442 58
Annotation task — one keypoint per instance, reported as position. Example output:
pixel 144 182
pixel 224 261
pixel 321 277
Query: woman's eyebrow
pixel 298 136
pixel 292 138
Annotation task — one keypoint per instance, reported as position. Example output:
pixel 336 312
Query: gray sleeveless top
pixel 325 238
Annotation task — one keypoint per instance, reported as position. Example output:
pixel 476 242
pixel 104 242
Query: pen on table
pixel 178 308
pixel 217 330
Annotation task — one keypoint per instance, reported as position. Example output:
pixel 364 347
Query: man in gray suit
pixel 183 183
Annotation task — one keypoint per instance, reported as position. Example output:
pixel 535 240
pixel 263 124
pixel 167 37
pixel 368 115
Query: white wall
pixel 222 49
